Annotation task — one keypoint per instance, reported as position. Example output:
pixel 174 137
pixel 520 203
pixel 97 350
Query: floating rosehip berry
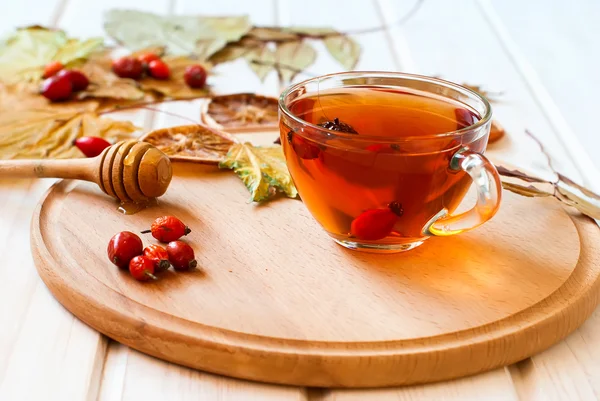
pixel 52 68
pixel 181 255
pixel 167 229
pixel 195 76
pixel 159 256
pixel 304 148
pixel 56 88
pixel 382 148
pixel 376 224
pixel 142 268
pixel 158 69
pixel 128 67
pixel 123 247
pixel 78 79
pixel 91 146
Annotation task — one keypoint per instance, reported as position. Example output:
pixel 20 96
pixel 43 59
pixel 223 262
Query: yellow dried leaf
pixel 263 170
pixel 48 132
pixel 105 84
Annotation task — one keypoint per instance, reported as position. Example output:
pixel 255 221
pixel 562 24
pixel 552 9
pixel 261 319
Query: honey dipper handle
pixel 78 169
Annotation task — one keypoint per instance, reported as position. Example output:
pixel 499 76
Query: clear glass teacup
pixel 382 160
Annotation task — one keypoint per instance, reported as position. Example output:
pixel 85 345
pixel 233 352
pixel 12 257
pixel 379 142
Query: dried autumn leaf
pixel 518 174
pixel 233 51
pixel 240 110
pixel 271 34
pixel 295 55
pixel 529 190
pixel 105 84
pixel 25 53
pixel 316 31
pixel 261 61
pixel 344 49
pixel 263 170
pixel 194 143
pixel 584 200
pixel 179 35
pixel 49 133
pixel 174 87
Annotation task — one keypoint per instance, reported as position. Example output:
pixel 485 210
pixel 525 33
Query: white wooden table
pixel 545 56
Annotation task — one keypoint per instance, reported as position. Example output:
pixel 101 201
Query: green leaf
pixel 180 35
pixel 344 49
pixel 261 61
pixel 262 169
pixel 294 55
pixel 24 54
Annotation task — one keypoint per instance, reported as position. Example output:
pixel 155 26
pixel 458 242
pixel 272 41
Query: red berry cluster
pixel 126 250
pixel 60 83
pixel 151 64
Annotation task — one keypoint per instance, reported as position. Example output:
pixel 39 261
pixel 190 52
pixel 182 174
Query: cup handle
pixel 489 192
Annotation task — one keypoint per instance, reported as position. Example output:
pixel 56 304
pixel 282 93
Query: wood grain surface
pixel 276 300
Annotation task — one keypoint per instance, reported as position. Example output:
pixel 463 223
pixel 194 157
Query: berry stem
pixel 148 274
pixel 146 231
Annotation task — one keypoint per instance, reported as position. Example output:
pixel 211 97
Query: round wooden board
pixel 276 300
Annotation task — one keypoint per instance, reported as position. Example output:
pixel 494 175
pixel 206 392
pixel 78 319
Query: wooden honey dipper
pixel 130 171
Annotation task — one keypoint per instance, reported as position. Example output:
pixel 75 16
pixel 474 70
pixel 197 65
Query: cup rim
pixel 383 74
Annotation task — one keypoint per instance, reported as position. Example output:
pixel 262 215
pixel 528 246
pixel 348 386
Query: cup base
pixel 378 248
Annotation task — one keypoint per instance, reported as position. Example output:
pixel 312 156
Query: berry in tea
pixel 380 171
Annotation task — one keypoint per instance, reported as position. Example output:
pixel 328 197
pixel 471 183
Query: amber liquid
pixel 341 177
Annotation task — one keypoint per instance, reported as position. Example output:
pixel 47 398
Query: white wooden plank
pixel 29 12
pixel 458 44
pixel 561 42
pixel 40 342
pixel 491 386
pixel 148 378
pixel 548 106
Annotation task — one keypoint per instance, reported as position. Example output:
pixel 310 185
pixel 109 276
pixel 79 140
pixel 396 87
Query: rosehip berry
pixel 195 76
pixel 167 229
pixel 181 255
pixel 56 89
pixel 146 58
pixel 91 146
pixel 159 256
pixel 382 148
pixel 142 268
pixel 52 68
pixel 128 67
pixel 376 224
pixel 158 69
pixel 304 148
pixel 464 118
pixel 123 247
pixel 78 80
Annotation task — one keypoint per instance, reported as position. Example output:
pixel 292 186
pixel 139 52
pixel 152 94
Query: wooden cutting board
pixel 276 300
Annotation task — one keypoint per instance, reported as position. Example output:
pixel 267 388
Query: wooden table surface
pixel 545 57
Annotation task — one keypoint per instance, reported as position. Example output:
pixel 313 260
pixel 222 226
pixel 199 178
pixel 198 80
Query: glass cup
pixel 387 193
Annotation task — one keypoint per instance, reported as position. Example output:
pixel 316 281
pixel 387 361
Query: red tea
pixel 382 171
